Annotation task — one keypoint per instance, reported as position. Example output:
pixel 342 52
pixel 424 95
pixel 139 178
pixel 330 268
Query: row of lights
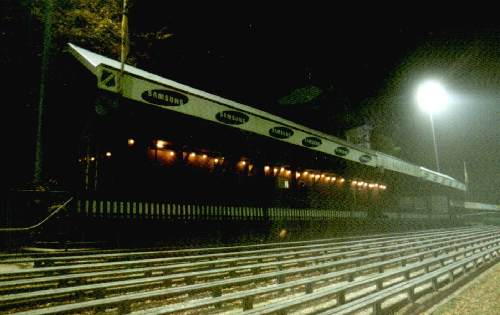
pixel 204 157
pixel 281 171
pixel 193 155
pixel 276 171
pixel 161 144
pixel 92 158
pixel 361 184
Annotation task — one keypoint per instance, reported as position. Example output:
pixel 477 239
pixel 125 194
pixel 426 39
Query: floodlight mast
pixel 432 98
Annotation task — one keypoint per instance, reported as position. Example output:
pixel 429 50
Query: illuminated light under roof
pixel 160 144
pixel 108 154
pixel 266 168
pixel 130 141
pixel 216 161
pixel 171 153
pixel 192 154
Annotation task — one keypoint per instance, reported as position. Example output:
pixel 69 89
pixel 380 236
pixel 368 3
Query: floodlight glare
pixel 432 97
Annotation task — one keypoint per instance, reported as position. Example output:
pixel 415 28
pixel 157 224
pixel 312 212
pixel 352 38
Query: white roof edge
pixel 91 60
pixel 85 57
pixel 437 173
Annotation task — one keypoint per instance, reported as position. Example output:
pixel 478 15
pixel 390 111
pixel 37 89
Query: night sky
pixel 362 61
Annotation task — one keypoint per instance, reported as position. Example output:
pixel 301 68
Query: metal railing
pixel 39 224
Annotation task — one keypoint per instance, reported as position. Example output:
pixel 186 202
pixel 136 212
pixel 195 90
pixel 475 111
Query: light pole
pixel 432 98
pixel 435 143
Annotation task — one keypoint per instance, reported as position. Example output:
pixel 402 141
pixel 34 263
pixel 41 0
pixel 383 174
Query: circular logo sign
pixel 232 117
pixel 164 97
pixel 341 151
pixel 311 142
pixel 281 132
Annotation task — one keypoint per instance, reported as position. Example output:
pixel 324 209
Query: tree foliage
pixel 96 25
pixel 88 23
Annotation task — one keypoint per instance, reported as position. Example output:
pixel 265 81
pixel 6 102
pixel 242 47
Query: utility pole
pixel 124 45
pixel 47 44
